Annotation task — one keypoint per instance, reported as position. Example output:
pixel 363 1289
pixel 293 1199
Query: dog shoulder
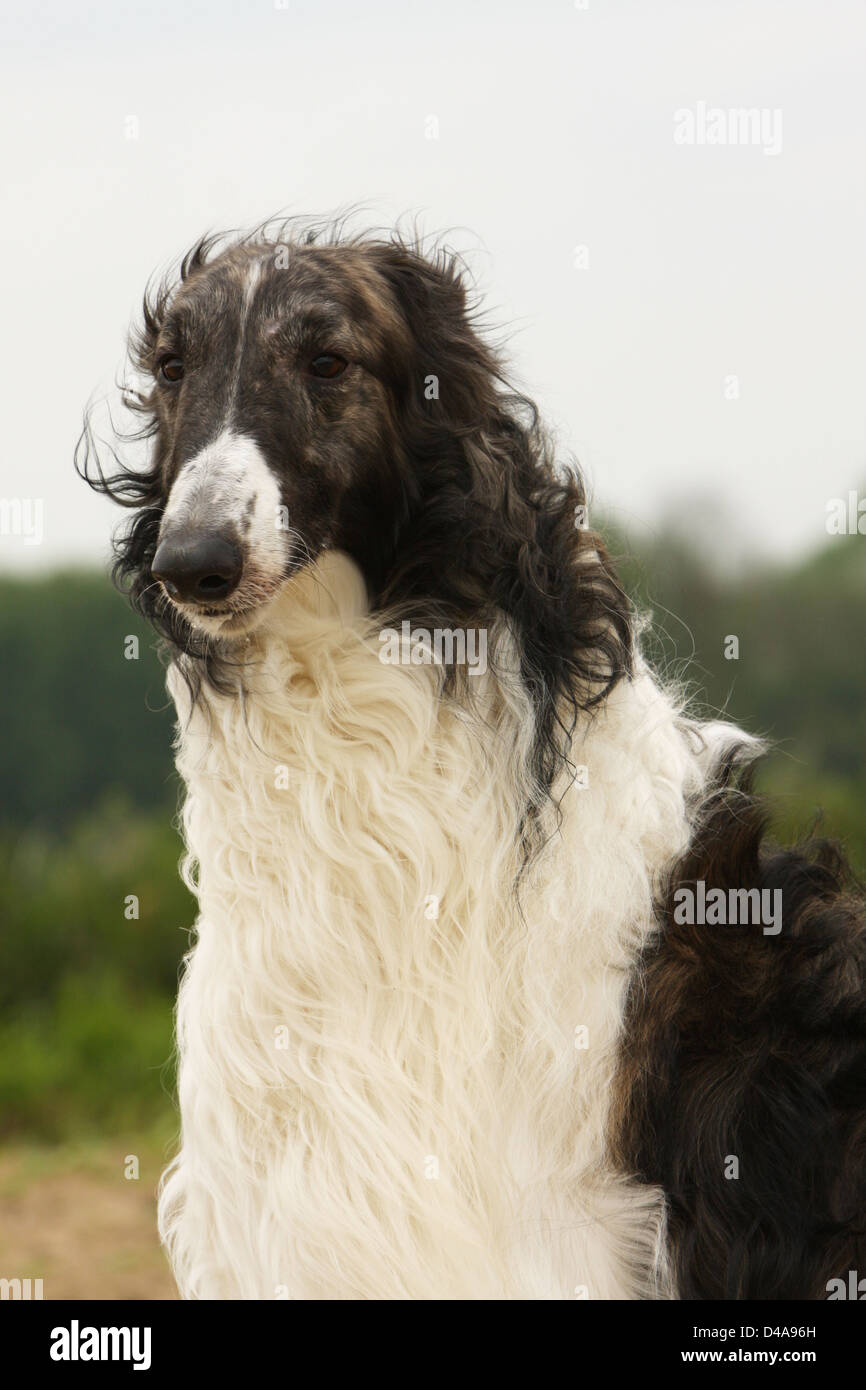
pixel 743 1076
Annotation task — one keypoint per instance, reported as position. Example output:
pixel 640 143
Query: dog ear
pixel 496 526
pixel 430 292
pixel 448 372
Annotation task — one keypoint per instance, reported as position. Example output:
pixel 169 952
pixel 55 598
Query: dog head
pixel 293 390
pixel 309 394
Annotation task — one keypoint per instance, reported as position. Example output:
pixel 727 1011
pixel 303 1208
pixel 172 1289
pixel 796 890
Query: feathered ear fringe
pixel 494 526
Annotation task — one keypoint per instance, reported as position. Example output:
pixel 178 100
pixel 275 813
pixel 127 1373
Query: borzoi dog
pixel 496 990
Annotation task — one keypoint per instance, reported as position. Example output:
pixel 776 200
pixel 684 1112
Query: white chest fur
pixel 394 1082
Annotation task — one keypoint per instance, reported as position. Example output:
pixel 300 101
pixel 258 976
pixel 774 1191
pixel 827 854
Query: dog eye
pixel 171 369
pixel 327 365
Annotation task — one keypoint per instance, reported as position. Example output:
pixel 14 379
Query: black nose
pixel 198 567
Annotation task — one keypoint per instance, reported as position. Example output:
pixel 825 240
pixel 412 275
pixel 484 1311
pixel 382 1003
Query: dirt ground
pixel 70 1217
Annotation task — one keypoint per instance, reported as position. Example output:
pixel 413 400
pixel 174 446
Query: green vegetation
pixel 799 680
pixel 85 990
pixel 79 719
pixel 88 800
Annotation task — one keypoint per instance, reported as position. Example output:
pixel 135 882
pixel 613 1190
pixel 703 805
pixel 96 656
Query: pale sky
pixel 556 130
